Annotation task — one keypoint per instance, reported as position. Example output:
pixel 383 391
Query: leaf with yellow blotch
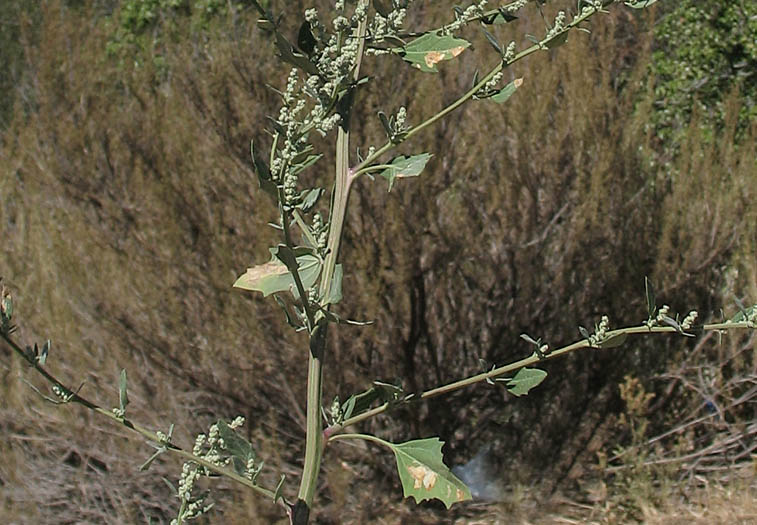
pixel 424 475
pixel 273 276
pixel 431 48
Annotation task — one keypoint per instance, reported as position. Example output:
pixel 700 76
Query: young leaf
pixel 525 380
pixel 744 314
pixel 305 39
pixel 43 354
pixel 424 475
pixel 501 17
pixel 238 448
pixel 274 276
pixel 428 50
pixel 263 173
pixel 557 40
pixel 612 342
pixel 640 4
pixel 123 398
pixel 649 290
pixel 309 198
pixel 335 293
pixel 403 166
pixel 493 42
pixel 507 91
pixel 584 332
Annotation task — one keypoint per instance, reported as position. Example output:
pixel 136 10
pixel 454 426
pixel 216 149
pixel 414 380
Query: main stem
pixel 343 183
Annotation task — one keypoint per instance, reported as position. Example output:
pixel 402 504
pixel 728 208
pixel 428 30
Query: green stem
pixel 468 95
pixel 342 185
pixel 136 428
pixel 534 358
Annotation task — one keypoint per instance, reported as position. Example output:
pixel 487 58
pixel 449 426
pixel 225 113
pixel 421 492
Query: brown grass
pixel 128 207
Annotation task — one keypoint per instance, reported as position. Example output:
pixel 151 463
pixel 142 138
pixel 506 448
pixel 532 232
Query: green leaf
pixel 239 449
pixel 525 380
pixel 501 17
pixel 424 475
pixel 744 314
pixel 493 41
pixel 305 39
pixel 557 40
pixel 640 4
pixel 296 59
pixel 264 174
pixel 428 50
pixel 335 292
pixel 649 290
pixel 507 91
pixel 612 342
pixel 403 166
pixel 381 9
pixel 43 354
pixel 274 276
pixel 309 198
pixel 123 398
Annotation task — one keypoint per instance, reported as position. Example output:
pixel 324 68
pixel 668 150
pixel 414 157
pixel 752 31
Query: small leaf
pixel 296 59
pixel 403 166
pixel 529 339
pixel 239 448
pixel 584 332
pixel 613 341
pixel 507 91
pixel 501 17
pixel 309 198
pixel 305 39
pixel 557 40
pixel 672 322
pixel 386 124
pixel 493 42
pixel 525 380
pixel 279 489
pixel 744 314
pixel 123 398
pixel 649 290
pixel 263 173
pixel 424 475
pixel 381 9
pixel 428 50
pixel 335 292
pixel 43 354
pixel 640 4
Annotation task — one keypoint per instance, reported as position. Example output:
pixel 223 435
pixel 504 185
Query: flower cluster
pixel 211 448
pixel 382 27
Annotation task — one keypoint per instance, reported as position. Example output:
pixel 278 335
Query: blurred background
pixel 128 207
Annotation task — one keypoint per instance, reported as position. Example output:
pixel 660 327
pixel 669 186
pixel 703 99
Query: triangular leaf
pixel 403 166
pixel 123 398
pixel 238 448
pixel 274 276
pixel 525 380
pixel 557 40
pixel 424 475
pixel 507 91
pixel 431 48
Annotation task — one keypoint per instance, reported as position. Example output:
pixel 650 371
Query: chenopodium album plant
pixel 303 274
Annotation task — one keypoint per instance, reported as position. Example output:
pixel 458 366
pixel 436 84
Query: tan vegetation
pixel 128 206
